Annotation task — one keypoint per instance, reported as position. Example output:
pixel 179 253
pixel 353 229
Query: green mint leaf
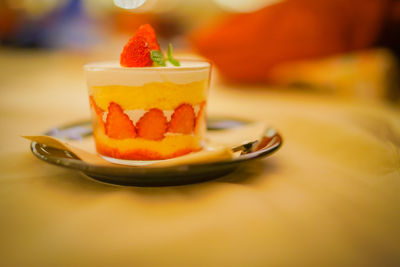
pixel 170 58
pixel 157 57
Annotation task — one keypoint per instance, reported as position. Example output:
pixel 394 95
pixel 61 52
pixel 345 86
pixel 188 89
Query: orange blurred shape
pixel 8 21
pixel 129 22
pixel 246 46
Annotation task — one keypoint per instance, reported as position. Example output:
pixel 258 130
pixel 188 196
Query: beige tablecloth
pixel 330 196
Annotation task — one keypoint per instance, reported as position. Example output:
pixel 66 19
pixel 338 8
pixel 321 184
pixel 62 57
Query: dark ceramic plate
pixel 161 176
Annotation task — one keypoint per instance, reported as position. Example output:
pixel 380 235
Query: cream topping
pixel 111 73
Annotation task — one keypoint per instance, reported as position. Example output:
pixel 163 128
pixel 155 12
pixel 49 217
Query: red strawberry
pixel 201 118
pixel 99 112
pixel 136 52
pixel 183 119
pixel 148 32
pixel 152 125
pixel 118 125
pixel 96 108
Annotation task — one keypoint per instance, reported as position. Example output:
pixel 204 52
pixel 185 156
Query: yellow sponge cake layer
pixel 142 149
pixel 162 95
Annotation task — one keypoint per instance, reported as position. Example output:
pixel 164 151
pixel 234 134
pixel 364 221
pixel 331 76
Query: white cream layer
pixel 111 73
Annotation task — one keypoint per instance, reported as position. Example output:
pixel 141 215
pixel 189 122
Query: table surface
pixel 330 196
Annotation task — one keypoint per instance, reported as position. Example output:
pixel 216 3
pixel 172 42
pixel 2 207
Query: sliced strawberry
pixel 152 125
pixel 98 111
pixel 136 52
pixel 96 108
pixel 201 119
pixel 118 125
pixel 183 120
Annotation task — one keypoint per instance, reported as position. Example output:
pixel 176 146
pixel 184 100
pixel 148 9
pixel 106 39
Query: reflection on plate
pixel 160 176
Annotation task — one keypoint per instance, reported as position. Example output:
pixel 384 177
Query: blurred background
pixel 348 49
pixel 325 73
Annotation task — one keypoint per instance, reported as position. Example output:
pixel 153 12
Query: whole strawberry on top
pixel 143 50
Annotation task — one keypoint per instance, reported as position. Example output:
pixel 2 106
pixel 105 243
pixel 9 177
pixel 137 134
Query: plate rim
pixel 79 165
pixel 58 161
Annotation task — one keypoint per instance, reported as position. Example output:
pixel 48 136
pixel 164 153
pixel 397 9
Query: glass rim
pixel 114 65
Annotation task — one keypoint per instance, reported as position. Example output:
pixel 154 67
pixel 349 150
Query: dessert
pixel 147 110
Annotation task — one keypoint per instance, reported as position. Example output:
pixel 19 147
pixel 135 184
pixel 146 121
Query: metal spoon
pixel 269 136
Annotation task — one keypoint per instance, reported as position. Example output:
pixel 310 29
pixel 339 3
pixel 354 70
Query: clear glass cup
pixel 148 113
